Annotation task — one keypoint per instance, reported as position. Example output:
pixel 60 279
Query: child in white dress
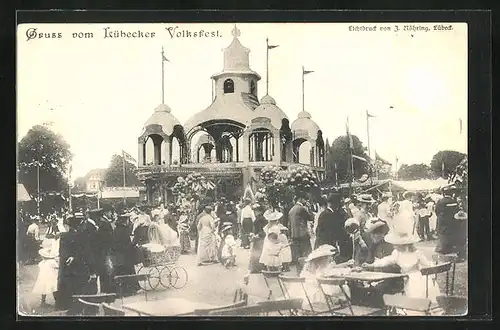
pixel 411 261
pixel 271 256
pixel 46 281
pixel 228 258
pixel 286 251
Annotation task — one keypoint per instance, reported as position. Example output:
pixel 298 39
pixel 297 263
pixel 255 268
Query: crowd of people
pixel 83 251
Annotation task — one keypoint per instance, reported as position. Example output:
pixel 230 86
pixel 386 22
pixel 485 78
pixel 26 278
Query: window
pixel 228 86
pixel 253 88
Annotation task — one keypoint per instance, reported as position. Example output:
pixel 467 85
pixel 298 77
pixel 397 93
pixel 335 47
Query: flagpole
pixel 368 132
pixel 162 76
pixel 69 189
pixel 38 189
pixel 98 197
pixel 267 66
pixel 303 95
pixel 396 169
pixel 123 163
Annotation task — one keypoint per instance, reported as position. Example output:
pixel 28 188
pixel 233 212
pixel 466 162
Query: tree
pixel 51 152
pixel 449 158
pixel 383 170
pixel 79 184
pixel 114 173
pixel 414 172
pixel 338 156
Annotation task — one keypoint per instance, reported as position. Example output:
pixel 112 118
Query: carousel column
pixel 167 152
pixel 276 155
pixel 140 151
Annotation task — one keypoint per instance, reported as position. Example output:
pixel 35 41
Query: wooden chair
pixel 87 308
pixel 259 309
pixel 204 312
pixel 394 302
pixel 435 270
pixel 292 305
pixel 241 293
pixel 112 311
pixel 98 299
pixel 285 281
pixel 343 310
pixel 452 305
pixel 122 280
pixel 452 257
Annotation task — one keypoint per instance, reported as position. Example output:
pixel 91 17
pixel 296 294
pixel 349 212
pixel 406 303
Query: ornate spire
pixel 236 32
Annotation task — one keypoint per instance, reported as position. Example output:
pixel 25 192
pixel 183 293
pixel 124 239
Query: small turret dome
pixel 269 109
pixel 304 126
pixel 162 116
pixel 267 99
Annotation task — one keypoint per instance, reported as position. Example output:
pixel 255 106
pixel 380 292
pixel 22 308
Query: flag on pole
pixel 128 157
pixel 368 114
pixel 272 46
pixel 163 58
pixel 380 159
pixel 351 144
pixel 306 72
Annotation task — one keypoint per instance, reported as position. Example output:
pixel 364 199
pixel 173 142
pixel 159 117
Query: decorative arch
pixel 228 86
pixel 261 145
pixel 152 149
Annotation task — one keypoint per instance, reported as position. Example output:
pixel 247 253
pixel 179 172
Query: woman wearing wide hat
pixel 364 203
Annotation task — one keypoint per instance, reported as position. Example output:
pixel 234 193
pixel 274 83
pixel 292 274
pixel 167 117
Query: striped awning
pixel 22 194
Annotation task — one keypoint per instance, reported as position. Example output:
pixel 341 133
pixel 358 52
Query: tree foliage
pixel 338 155
pixel 415 172
pixel 114 173
pixel 48 149
pixel 451 159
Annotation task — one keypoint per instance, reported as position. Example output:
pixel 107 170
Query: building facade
pixel 231 140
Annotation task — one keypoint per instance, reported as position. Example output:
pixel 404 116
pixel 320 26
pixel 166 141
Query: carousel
pixel 230 141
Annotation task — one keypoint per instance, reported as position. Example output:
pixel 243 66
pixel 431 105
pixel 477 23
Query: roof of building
pixel 269 109
pixel 306 124
pixel 162 116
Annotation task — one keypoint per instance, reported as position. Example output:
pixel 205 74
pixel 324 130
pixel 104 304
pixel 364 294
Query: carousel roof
pixel 162 116
pixel 229 107
pixel 269 109
pixel 305 123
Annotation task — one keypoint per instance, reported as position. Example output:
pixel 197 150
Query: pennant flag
pixel 128 157
pixel 368 115
pixel 306 72
pixel 360 158
pixel 163 58
pixel 351 144
pixel 380 159
pixel 271 47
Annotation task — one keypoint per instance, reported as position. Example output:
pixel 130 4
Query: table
pixel 166 307
pixel 368 276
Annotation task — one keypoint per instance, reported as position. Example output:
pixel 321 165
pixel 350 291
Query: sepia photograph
pixel 248 169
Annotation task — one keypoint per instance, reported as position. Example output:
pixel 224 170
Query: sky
pixel 98 92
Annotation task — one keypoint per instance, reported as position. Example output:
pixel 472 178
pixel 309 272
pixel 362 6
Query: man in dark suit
pixel 299 233
pixel 446 226
pixel 102 249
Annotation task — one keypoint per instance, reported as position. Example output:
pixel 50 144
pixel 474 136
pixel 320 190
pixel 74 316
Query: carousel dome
pixel 305 124
pixel 269 109
pixel 162 116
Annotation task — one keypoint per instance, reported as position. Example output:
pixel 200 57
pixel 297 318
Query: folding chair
pixel 87 308
pixel 404 303
pixel 435 270
pixel 453 305
pixel 452 257
pixel 268 276
pixel 290 280
pixel 241 293
pixel 92 298
pixel 343 310
pixel 292 305
pixel 112 311
pixel 122 280
pixel 259 309
pixel 204 312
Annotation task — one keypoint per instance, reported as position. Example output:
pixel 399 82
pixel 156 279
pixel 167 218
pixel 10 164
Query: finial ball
pixel 236 32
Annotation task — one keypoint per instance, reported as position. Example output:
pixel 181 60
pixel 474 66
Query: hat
pixel 324 250
pixel 365 198
pixel 407 194
pixel 351 225
pixel 373 224
pixel 228 212
pixel 448 189
pixel 404 238
pixel 256 206
pixel 226 227
pixel 46 253
pixel 272 215
pixel 460 215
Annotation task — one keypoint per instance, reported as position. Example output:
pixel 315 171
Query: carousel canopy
pixel 305 124
pixel 22 194
pixel 162 116
pixel 419 185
